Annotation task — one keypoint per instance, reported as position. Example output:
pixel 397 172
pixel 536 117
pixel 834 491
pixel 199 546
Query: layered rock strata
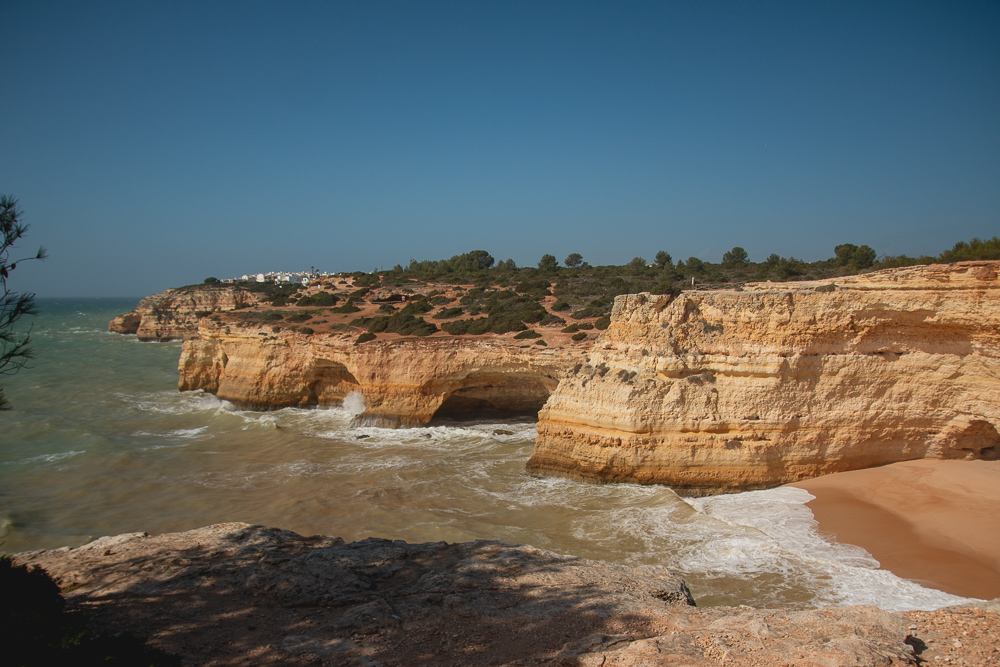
pixel 404 381
pixel 749 388
pixel 174 314
pixel 235 594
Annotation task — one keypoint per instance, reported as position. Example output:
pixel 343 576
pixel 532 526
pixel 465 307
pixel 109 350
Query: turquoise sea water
pixel 100 442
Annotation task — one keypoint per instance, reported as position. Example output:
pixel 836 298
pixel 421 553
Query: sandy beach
pixel 935 522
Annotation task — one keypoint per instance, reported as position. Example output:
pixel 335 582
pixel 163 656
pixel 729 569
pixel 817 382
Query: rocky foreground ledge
pixel 236 594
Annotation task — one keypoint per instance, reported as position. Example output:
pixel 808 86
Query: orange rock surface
pixel 404 381
pixel 174 314
pixel 749 388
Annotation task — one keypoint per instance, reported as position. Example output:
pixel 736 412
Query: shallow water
pixel 100 442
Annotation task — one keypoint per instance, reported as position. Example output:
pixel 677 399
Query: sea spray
pixel 354 403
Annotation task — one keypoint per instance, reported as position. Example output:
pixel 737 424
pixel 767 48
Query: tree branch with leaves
pixel 14 350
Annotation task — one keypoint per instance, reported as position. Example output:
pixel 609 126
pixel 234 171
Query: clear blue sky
pixel 153 144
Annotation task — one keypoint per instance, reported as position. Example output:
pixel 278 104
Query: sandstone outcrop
pixel 749 388
pixel 174 314
pixel 235 594
pixel 404 381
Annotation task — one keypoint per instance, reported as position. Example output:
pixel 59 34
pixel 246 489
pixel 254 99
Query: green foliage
pixel 530 333
pixel 573 260
pixel 386 308
pixel 603 323
pixel 14 350
pixel 402 323
pixel 298 317
pixel 464 268
pixel 579 336
pixel 854 257
pixel 665 288
pixel 573 328
pixel 448 313
pixel 211 281
pixel 548 263
pixel 637 264
pixel 589 311
pixel 663 258
pixel 560 306
pixel 348 307
pixel 307 330
pixel 735 257
pixel 362 279
pixel 541 342
pixel 319 299
pixel 974 249
pixel 364 338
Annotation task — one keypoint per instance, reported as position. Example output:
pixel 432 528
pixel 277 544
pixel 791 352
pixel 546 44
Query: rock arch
pixel 488 393
pixel 328 382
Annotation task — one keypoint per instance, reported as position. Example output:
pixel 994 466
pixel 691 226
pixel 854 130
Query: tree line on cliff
pixel 486 296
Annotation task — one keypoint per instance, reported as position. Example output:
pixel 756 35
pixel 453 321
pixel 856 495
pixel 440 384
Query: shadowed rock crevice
pixel 496 395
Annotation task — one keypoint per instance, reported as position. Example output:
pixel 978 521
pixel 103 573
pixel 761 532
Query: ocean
pixel 100 442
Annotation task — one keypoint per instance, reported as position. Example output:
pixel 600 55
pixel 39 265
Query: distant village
pixel 279 277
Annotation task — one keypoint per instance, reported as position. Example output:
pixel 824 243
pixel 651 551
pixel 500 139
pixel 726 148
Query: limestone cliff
pixel 749 388
pixel 174 314
pixel 405 381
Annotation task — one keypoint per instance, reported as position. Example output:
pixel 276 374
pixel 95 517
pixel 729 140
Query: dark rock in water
pixel 361 436
pixel 502 431
pixel 236 594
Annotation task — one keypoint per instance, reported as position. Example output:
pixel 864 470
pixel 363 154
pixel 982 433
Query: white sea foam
pixel 47 458
pixel 183 433
pixel 773 531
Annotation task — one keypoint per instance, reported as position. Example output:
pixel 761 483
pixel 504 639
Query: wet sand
pixel 935 522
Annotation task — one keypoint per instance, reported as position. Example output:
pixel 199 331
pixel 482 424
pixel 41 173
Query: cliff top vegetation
pixel 473 294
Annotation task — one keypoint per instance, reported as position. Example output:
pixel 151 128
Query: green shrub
pixel 386 308
pixel 528 334
pixel 573 328
pixel 579 336
pixel 589 311
pixel 306 330
pixel 299 317
pixel 560 306
pixel 399 322
pixel 603 323
pixel 585 326
pixel 346 308
pixel 364 338
pixel 448 313
pixel 540 342
pixel 319 299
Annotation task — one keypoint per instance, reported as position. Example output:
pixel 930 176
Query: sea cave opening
pixel 495 397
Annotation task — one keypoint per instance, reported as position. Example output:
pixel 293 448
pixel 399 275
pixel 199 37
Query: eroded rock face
pixel 732 390
pixel 174 314
pixel 236 594
pixel 403 381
